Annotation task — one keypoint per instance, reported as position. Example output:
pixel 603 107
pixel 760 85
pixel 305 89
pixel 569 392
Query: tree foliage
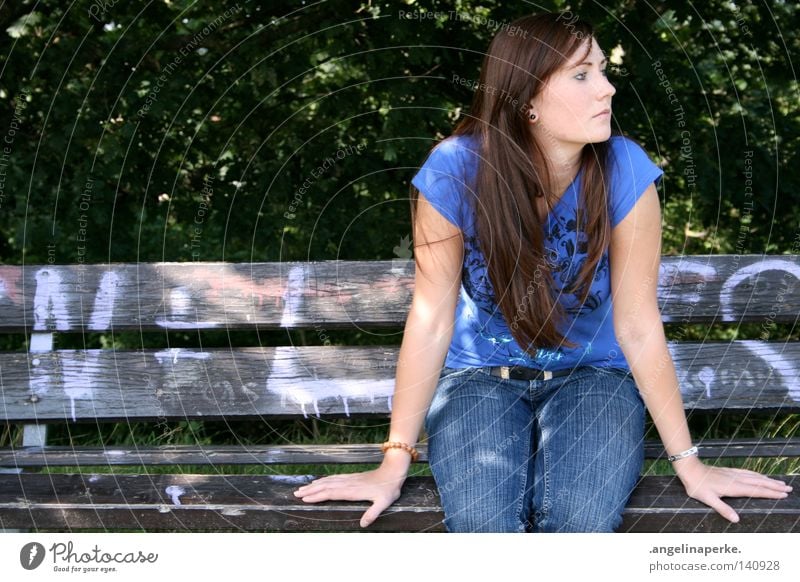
pixel 178 131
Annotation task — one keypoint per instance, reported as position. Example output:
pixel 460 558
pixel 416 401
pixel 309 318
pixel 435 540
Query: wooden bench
pixel 40 387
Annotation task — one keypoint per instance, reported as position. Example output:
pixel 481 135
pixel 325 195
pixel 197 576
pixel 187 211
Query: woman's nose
pixel 605 88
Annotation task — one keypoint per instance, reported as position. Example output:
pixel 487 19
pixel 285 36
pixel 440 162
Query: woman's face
pixel 574 106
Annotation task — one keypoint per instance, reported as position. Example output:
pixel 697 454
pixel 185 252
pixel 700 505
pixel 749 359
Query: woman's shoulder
pixel 624 148
pixel 631 172
pixel 459 148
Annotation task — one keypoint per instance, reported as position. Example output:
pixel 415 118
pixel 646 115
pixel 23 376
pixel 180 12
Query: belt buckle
pixel 505 373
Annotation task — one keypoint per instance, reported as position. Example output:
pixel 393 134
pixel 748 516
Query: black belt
pixel 523 373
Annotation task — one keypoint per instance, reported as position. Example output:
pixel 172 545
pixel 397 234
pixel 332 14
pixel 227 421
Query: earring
pixel 533 116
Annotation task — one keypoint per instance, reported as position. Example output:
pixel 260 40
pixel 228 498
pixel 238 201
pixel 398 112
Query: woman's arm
pixel 429 327
pixel 635 255
pixel 426 338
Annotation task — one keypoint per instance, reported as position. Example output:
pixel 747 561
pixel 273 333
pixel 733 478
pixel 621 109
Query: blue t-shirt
pixel 481 336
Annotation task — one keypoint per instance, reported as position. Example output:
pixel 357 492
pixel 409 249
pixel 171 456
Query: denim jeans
pixel 558 455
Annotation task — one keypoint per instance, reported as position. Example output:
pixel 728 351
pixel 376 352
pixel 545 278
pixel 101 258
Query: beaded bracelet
pixel 687 453
pixel 398 445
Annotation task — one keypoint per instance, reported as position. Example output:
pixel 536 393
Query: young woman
pixel 527 221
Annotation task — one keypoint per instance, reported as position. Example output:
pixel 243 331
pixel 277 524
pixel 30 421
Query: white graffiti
pixel 309 391
pixel 77 377
pixel 180 300
pixel 785 369
pixel 282 378
pixel 104 301
pixel 729 287
pixel 706 376
pixel 685 271
pixel 293 297
pixel 789 375
pixel 50 302
pixel 56 309
pixel 173 354
pixel 175 492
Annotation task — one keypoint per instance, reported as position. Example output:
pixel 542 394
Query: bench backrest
pixel 56 385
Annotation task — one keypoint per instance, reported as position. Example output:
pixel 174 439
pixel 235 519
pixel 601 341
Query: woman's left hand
pixel 707 484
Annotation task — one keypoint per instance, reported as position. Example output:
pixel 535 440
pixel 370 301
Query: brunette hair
pixel 513 184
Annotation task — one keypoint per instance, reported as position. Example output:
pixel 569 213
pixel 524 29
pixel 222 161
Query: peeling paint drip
pixel 175 491
pixel 79 380
pixel 303 392
pixel 707 376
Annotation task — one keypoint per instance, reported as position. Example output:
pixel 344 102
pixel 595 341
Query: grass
pixel 355 431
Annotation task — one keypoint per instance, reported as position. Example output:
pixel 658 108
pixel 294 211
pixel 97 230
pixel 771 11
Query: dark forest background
pixel 133 107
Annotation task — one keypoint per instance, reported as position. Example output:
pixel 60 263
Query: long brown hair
pixel 514 184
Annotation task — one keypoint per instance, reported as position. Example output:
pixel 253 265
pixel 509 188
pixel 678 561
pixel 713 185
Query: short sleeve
pixel 632 171
pixel 442 179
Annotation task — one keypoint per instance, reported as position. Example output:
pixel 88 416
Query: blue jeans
pixel 559 455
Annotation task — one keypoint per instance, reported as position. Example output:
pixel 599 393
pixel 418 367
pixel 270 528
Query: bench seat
pixel 266 503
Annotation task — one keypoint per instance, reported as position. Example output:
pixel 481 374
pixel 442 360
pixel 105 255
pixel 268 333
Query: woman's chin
pixel 599 136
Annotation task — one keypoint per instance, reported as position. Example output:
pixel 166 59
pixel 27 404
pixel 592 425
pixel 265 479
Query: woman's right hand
pixel 381 486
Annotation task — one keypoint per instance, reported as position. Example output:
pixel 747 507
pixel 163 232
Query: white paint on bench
pixel 293 297
pixel 175 491
pixel 104 301
pixel 182 353
pixel 80 378
pixel 182 316
pixel 286 380
pixel 49 302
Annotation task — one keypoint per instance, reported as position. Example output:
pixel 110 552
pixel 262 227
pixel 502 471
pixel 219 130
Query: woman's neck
pixel 563 173
pixel 563 166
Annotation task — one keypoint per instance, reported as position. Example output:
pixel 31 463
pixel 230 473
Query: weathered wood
pixel 660 504
pixel 220 455
pixel 176 296
pixel 242 383
pixel 242 502
pixel 288 382
pixel 214 502
pixel 339 294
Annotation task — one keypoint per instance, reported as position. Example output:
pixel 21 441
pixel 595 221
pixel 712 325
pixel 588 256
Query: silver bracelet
pixel 687 453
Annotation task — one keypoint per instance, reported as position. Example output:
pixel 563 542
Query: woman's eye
pixel 581 76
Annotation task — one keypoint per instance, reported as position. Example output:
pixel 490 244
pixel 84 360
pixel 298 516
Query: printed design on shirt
pixel 568 247
pixel 567 250
pixel 493 330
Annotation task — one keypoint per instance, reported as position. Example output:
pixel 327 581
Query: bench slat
pixel 218 455
pixel 339 294
pixel 266 503
pixel 317 381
